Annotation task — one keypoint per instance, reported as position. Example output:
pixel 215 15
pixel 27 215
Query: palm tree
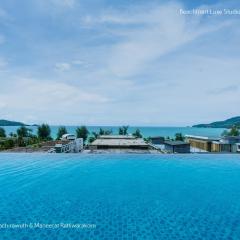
pixel 61 131
pixel 234 131
pixel 82 132
pixel 2 132
pixel 123 130
pixel 44 132
pixel 179 137
pixel 137 134
pixel 23 131
pixel 104 132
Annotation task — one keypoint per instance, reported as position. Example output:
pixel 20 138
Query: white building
pixel 69 144
pixel 68 137
pixel 238 147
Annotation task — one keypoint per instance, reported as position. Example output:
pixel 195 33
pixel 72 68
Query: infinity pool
pixel 119 197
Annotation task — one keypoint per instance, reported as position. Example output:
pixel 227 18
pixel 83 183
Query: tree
pixel 82 132
pixel 95 135
pixel 104 132
pixel 234 131
pixel 225 133
pixel 11 134
pixel 101 132
pixel 179 137
pixel 33 139
pixel 21 142
pixel 61 131
pixel 123 130
pixel 44 132
pixel 137 134
pixel 23 132
pixel 2 132
pixel 9 143
pixel 108 132
pixel 120 131
pixel 147 140
pixel 91 139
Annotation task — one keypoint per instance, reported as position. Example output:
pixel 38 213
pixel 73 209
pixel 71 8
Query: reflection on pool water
pixel 119 196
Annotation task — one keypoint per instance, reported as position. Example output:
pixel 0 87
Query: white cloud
pixel 228 89
pixel 78 62
pixel 2 39
pixel 38 100
pixel 2 105
pixel 38 96
pixel 62 67
pixel 162 30
pixel 64 3
pixel 68 4
pixel 3 13
pixel 56 92
pixel 146 33
pixel 72 65
pixel 3 63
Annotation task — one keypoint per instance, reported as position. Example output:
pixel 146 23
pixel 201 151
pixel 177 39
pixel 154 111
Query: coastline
pixel 146 131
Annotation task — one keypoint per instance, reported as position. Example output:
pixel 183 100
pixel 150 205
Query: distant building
pixel 68 137
pixel 157 140
pixel 116 137
pixel 238 147
pixel 68 144
pixel 224 144
pixel 217 146
pixel 200 142
pixel 230 139
pixel 177 147
pixel 119 142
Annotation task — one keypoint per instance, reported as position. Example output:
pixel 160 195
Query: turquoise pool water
pixel 119 196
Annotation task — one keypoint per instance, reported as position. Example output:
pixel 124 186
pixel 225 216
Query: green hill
pixel 11 123
pixel 235 121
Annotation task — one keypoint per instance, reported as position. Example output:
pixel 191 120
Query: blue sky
pixel 102 62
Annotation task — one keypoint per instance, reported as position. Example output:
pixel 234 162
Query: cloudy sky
pixel 113 62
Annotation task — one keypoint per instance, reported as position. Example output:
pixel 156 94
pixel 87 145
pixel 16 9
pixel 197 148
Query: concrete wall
pixel 185 148
pixel 78 145
pixel 218 147
pixel 200 144
pixel 159 140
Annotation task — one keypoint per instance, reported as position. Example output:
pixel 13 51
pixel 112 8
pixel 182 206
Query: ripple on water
pixel 126 196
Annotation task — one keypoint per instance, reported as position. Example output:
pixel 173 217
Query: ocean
pixel 146 131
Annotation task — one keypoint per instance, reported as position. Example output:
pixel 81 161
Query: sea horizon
pixel 146 131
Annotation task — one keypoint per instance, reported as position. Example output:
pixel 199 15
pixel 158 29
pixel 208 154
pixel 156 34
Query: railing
pixel 155 147
pixel 67 147
pixel 52 150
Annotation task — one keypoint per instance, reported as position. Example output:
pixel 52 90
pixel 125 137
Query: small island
pixel 11 123
pixel 235 121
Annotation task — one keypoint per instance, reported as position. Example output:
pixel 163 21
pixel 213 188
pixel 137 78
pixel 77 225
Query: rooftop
pixel 116 137
pixel 119 142
pixel 202 138
pixel 67 134
pixel 174 143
